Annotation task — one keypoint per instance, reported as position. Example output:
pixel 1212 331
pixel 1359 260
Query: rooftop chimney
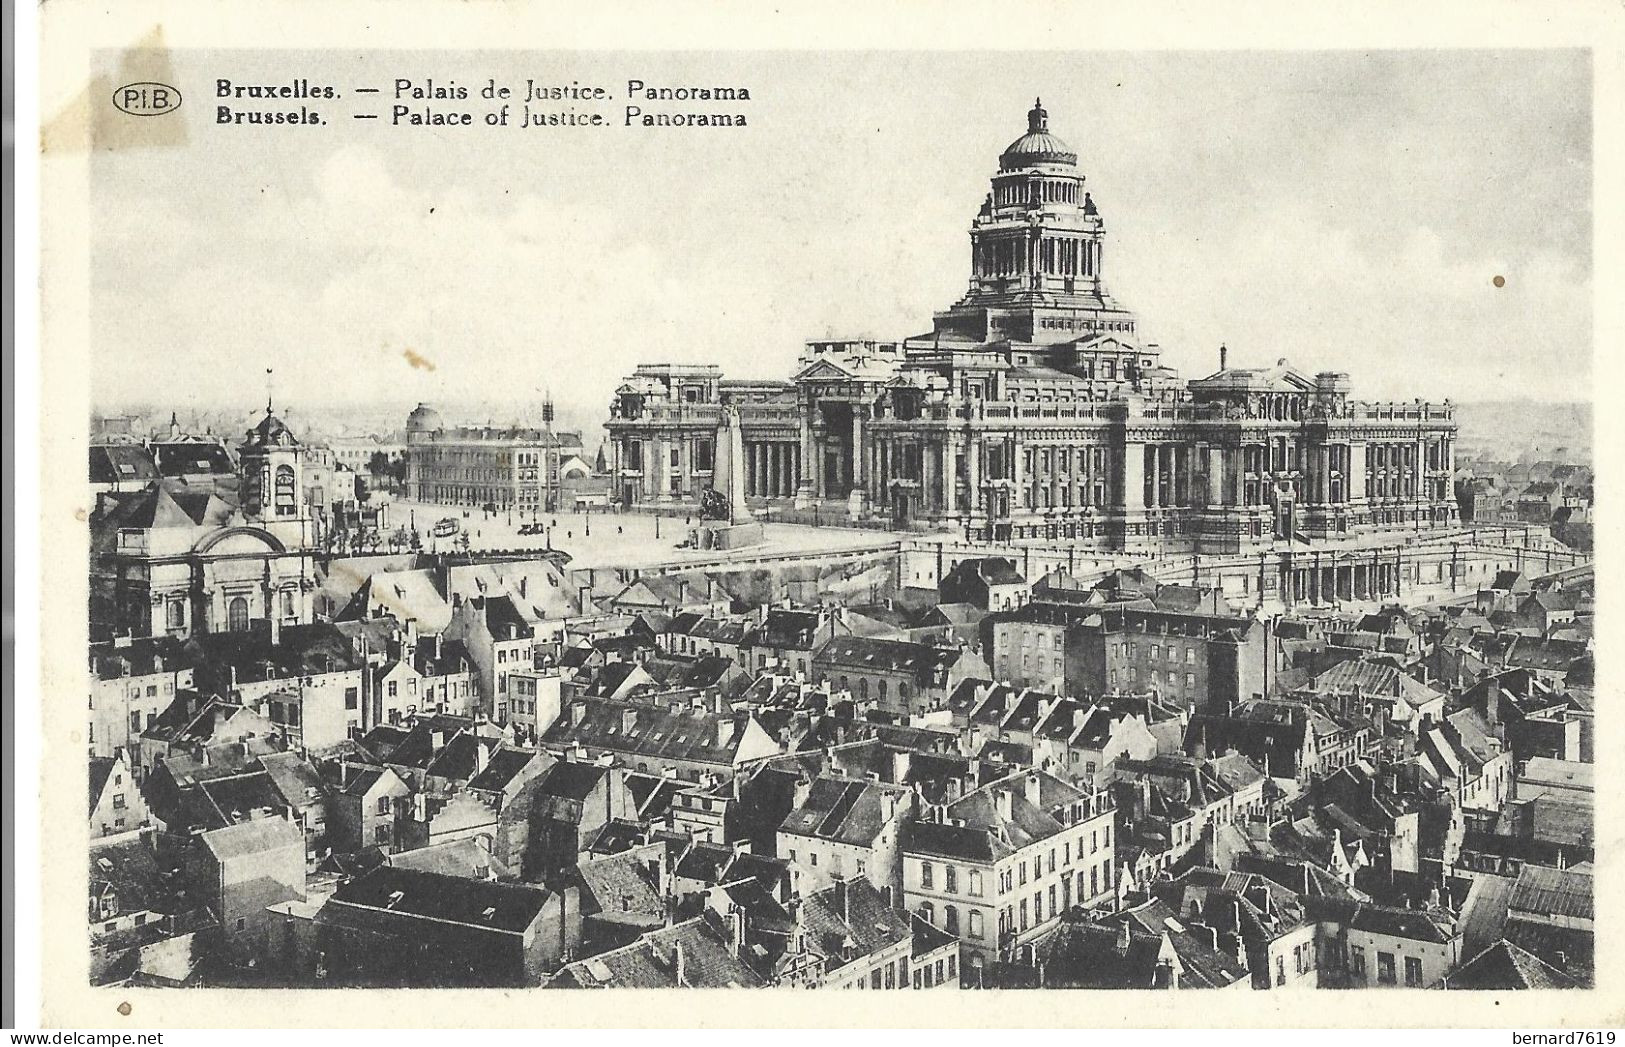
pixel 1224 357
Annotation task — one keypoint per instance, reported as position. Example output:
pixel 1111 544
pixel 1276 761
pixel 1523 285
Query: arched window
pixel 863 689
pixel 237 614
pixel 950 919
pixel 287 491
pixel 927 913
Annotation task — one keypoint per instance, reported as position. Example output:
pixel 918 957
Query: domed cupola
pixel 1037 146
pixel 424 419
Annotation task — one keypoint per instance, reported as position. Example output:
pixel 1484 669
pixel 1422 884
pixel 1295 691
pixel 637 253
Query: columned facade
pixel 1032 410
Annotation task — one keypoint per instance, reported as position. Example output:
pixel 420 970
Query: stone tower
pixel 273 483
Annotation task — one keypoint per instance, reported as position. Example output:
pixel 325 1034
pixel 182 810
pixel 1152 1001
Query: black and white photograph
pixel 945 521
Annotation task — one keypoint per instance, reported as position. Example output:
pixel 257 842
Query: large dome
pixel 1037 146
pixel 424 419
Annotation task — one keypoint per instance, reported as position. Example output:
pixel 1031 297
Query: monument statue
pixel 728 472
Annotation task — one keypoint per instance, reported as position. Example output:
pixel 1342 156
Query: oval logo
pixel 147 99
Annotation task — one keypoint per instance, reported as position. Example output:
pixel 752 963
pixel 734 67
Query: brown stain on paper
pixel 91 120
pixel 418 360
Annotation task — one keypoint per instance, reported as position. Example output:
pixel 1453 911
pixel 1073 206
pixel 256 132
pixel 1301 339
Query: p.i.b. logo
pixel 146 98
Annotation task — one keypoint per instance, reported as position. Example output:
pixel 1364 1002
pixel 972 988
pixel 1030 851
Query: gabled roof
pixel 1551 892
pixel 438 897
pixel 121 463
pixel 101 769
pixel 1375 678
pixel 692 955
pixel 849 921
pixel 249 838
pixel 1504 965
pixel 845 810
pixel 789 628
pixel 893 656
pixel 659 732
pixel 502 767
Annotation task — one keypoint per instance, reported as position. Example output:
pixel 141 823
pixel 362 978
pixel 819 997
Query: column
pixel 804 472
pixel 973 472
pixel 1018 474
pixel 945 487
pixel 1131 484
pixel 662 467
pixel 857 448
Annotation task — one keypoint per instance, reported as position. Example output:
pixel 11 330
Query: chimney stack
pixel 1224 356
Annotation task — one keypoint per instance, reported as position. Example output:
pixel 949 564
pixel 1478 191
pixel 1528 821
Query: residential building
pixel 845 828
pixel 116 803
pixel 509 468
pixel 998 866
pixel 398 927
pixel 900 677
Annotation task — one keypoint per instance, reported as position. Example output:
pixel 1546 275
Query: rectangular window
pixel 1385 968
pixel 950 879
pixel 927 876
pixel 1413 972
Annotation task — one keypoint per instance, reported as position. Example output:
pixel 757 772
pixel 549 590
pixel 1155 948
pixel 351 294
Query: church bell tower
pixel 273 482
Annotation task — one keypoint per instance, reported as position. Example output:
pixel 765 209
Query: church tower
pixel 1037 251
pixel 273 482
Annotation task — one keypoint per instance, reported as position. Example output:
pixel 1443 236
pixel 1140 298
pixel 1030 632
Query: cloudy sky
pixel 1347 211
